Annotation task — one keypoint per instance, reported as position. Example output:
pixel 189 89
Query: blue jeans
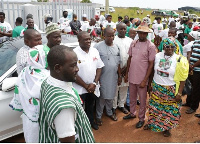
pixel 127 99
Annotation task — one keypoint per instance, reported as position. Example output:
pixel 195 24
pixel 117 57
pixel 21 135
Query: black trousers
pixel 194 99
pixel 89 100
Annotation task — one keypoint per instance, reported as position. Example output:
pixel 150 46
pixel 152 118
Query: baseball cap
pixel 84 15
pixel 195 35
pixel 196 28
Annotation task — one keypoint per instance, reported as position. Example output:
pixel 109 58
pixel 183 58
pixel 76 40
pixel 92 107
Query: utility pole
pixel 106 6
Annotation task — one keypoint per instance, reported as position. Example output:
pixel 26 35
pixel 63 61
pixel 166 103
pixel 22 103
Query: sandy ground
pixel 124 131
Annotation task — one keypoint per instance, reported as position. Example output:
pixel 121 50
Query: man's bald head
pixel 120 25
pixel 81 34
pixel 32 38
pixel 108 30
pixel 30 33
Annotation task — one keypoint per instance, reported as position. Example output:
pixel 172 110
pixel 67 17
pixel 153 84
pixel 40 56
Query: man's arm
pixel 8 34
pixel 64 125
pixel 80 82
pixel 127 69
pixel 149 71
pixel 92 86
pixel 98 74
pixel 68 139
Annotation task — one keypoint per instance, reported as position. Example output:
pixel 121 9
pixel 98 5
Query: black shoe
pixel 139 124
pixel 190 111
pixel 185 104
pixel 138 102
pixel 113 117
pixel 95 126
pixel 123 109
pixel 129 116
pixel 197 115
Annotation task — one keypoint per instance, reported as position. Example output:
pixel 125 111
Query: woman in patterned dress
pixel 170 73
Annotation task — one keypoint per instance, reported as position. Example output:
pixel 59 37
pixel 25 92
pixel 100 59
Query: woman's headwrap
pixel 171 41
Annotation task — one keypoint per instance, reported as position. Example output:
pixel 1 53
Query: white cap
pixel 47 15
pixel 84 15
pixel 195 35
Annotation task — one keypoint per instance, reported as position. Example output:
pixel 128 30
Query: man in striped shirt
pixel 62 118
pixel 194 99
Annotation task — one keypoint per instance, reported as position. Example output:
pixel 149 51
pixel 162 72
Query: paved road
pixel 124 131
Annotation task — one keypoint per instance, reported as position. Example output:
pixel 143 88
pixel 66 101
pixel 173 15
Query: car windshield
pixel 8 51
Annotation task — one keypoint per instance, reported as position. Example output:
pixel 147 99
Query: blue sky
pixel 154 4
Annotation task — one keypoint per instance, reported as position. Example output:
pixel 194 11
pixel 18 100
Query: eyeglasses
pixel 168 46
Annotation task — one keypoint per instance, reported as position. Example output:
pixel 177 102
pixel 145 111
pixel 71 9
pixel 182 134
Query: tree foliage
pixel 86 1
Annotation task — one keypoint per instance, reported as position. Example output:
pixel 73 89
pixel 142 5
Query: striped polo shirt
pixel 53 100
pixel 195 56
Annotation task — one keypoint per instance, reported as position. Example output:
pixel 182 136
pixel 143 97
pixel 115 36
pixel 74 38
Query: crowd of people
pixel 62 91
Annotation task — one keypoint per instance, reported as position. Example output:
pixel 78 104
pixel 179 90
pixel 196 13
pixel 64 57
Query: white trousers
pixel 31 130
pixel 120 97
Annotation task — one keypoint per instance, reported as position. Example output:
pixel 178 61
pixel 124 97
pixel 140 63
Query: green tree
pixel 86 1
pixel 42 0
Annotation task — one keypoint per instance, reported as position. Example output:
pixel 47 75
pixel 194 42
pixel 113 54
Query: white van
pixel 111 9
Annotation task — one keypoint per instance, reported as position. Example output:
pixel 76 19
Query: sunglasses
pixel 168 46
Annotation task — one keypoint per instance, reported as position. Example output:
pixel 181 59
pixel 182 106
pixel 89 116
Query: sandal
pixel 166 133
pixel 146 127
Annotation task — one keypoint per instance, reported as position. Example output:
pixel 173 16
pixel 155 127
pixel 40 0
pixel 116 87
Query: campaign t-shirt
pixel 157 28
pixel 164 69
pixel 86 27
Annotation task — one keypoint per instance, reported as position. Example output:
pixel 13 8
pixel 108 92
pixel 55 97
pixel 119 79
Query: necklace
pixel 167 58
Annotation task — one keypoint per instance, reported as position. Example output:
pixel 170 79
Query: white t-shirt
pixel 164 20
pixel 187 48
pixel 157 28
pixel 64 24
pixel 170 19
pixel 179 26
pixel 111 24
pixel 84 22
pixel 65 120
pixel 195 24
pixel 88 63
pixel 4 27
pixel 164 33
pixel 155 22
pixel 86 27
pixel 164 69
